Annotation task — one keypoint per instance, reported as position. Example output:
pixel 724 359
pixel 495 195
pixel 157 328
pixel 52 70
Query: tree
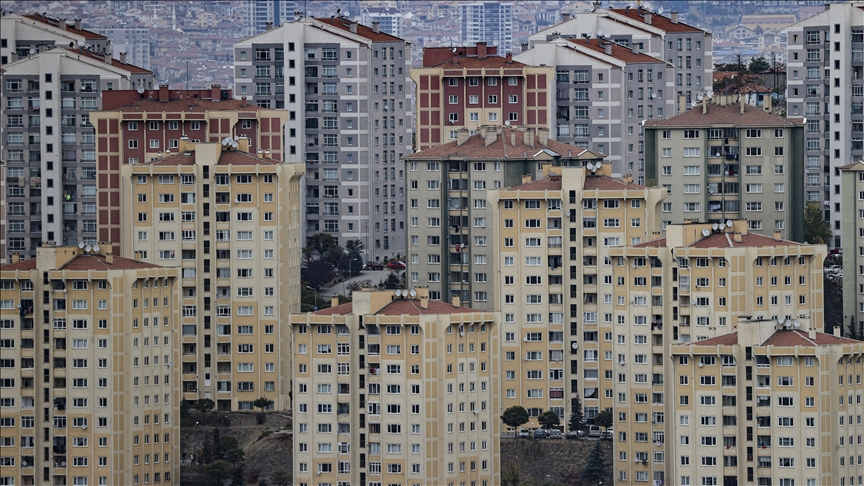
pixel 262 403
pixel 511 475
pixel 758 65
pixel 204 405
pixel 853 330
pixel 595 466
pixel 832 301
pixel 219 470
pixel 548 419
pixel 604 418
pixel 577 418
pixel 320 243
pixel 392 282
pixel 816 229
pixel 280 478
pixel 317 273
pixel 515 416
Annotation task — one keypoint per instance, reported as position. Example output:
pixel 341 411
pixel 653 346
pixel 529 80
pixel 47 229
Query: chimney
pixel 737 237
pixel 106 58
pixel 462 136
pixel 543 136
pixel 673 16
pixel 455 58
pixel 268 25
pixel 767 103
pixel 353 27
pixel 137 256
pixel 423 295
pixel 77 24
pixel 481 50
pixel 648 17
pixel 529 137
pixel 634 48
pixel 512 137
pixel 811 333
pixel 682 103
pixel 776 235
pixel 109 258
pixel 215 92
pixel 524 46
pixel 741 103
pixel 163 93
pixel 243 101
pixel 565 16
pixel 376 27
pixel 608 48
pixel 490 135
pixel 509 58
pixel 837 331
pixel 705 105
pixel 456 302
pixel 526 178
pixel 62 24
pixel 123 57
pixel 334 301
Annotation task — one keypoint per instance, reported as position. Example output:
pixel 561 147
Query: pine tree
pixel 854 331
pixel 596 466
pixel 577 418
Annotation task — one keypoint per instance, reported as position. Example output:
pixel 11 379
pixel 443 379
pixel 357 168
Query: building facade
pixel 604 91
pixel 106 409
pixel 49 146
pixel 238 288
pixel 766 403
pixel 825 67
pixel 451 226
pixel 346 89
pixel 410 394
pixel 388 18
pixel 131 41
pixel 726 160
pixel 266 14
pixel 852 202
pixel 473 87
pixel 138 127
pixel 39 32
pixel 490 22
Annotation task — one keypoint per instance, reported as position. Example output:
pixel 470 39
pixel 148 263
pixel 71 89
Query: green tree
pixel 832 302
pixel 511 475
pixel 549 419
pixel 235 455
pixel 204 405
pixel 316 274
pixel 320 243
pixel 280 478
pixel 262 403
pixel 515 416
pixel 393 282
pixel 218 471
pixel 816 229
pixel 604 418
pixel 758 65
pixel 595 466
pixel 577 418
pixel 853 331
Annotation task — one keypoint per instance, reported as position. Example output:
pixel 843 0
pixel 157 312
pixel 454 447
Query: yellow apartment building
pixel 769 404
pixel 396 389
pixel 231 222
pixel 92 398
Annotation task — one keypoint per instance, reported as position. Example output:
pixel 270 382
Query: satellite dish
pixel 235 145
pixel 715 226
pixel 96 248
pixel 398 293
pixel 787 323
pixel 710 94
pixel 88 248
pixel 413 293
pixel 598 163
pixel 32 51
pixel 653 95
pixel 729 223
pixel 721 226
pixel 600 33
pixel 700 96
pixel 507 122
pixel 140 90
pixel 693 103
pixel 81 245
pixel 590 166
pixel 660 11
pixel 706 232
pixel 796 324
pixel 780 321
pixel 574 345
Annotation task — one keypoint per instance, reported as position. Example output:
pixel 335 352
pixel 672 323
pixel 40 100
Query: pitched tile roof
pixel 29 264
pixel 727 240
pixel 724 340
pixel 114 62
pixel 226 157
pixel 339 310
pixel 659 21
pixel 606 183
pixel 717 114
pixel 781 337
pixel 502 148
pixel 618 51
pixel 84 262
pixel 474 62
pixel 69 27
pixel 362 30
pixel 658 243
pixel 551 183
pixel 400 307
pixel 188 105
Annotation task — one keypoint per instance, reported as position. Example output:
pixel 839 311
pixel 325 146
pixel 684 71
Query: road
pixel 342 288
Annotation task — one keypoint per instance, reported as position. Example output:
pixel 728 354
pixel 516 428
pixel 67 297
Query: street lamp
pixel 350 274
pixel 315 305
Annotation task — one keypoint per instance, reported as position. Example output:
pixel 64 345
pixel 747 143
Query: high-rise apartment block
pixel 104 407
pixel 396 389
pixel 137 127
pixel 388 18
pixel 490 22
pixel 852 202
pixel 231 221
pixel 771 403
pixel 727 160
pixel 451 227
pixel 470 87
pixel 347 93
pixel 825 69
pixel 49 146
pixel 266 14
pixel 604 92
pixel 132 42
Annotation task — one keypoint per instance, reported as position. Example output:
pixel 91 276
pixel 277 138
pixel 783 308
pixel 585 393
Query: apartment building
pixel 104 409
pixel 451 227
pixel 347 91
pixel 238 288
pixel 265 14
pixel 725 160
pixel 389 19
pixel 604 92
pixel 490 22
pixel 825 67
pixel 765 404
pixel 470 87
pixel 131 41
pixel 410 395
pixel 548 295
pixel 696 284
pixel 852 185
pixel 39 32
pixel 140 126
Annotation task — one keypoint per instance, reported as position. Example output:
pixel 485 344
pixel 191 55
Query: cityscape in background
pixel 386 242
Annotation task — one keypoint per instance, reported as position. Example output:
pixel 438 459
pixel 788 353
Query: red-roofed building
pixel 392 365
pixel 346 89
pixel 39 31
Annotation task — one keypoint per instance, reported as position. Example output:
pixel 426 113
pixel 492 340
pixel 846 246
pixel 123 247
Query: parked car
pixel 555 434
pixel 575 434
pixel 373 266
pixel 594 431
pixel 395 265
pixel 524 434
pixel 608 433
pixel 539 434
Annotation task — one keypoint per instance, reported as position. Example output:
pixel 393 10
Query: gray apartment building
pixel 347 90
pixel 451 227
pixel 490 22
pixel 825 73
pixel 48 144
pixel 725 159
pixel 133 41
pixel 604 91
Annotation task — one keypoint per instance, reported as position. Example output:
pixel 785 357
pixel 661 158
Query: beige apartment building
pixel 92 398
pixel 451 229
pixel 725 160
pixel 230 221
pixel 396 389
pixel 769 404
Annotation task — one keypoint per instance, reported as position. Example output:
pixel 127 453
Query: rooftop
pixel 658 21
pixel 114 62
pixel 69 27
pixel 226 157
pixel 592 182
pixel 781 337
pixel 618 51
pixel 473 62
pixel 401 307
pixel 726 240
pixel 502 148
pixel 84 262
pixel 188 105
pixel 362 30
pixel 720 114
